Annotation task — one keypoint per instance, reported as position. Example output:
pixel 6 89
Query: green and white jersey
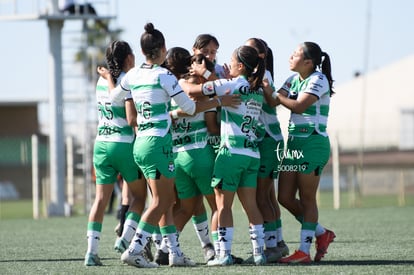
pixel 238 126
pixel 315 117
pixel 112 123
pixel 188 132
pixel 268 118
pixel 152 88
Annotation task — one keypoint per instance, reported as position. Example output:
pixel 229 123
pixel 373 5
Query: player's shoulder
pixel 317 76
pixel 165 75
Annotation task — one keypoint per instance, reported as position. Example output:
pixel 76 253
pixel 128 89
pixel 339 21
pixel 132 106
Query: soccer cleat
pixel 283 248
pixel 121 245
pixel 322 243
pixel 179 260
pixel 161 257
pixel 209 252
pixel 273 255
pixel 138 259
pixel 221 261
pixel 236 260
pixel 249 260
pixel 299 257
pixel 259 259
pixel 92 260
pixel 147 250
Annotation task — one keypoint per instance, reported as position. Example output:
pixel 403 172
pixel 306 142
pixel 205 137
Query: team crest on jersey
pixel 171 166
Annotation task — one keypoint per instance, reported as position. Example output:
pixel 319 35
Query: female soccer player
pixel 270 142
pixel 194 157
pixel 307 94
pixel 113 149
pixel 238 159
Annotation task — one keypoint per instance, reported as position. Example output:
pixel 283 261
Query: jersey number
pixel 248 124
pixel 105 110
pixel 145 109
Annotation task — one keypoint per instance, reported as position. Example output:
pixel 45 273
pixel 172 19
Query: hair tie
pixel 323 56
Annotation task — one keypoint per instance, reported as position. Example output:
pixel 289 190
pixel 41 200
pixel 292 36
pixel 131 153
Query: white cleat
pixel 175 260
pixel 138 259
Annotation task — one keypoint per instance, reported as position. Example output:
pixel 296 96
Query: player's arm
pixel 298 105
pixel 211 122
pixel 131 112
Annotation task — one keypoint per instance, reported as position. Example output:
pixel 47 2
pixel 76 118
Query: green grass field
pixel 377 240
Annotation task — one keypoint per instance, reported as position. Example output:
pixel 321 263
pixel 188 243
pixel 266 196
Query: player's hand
pixel 233 100
pixel 104 72
pixel 226 69
pixel 198 68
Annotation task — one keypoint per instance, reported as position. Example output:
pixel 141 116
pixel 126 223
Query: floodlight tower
pixel 55 21
pixel 56 136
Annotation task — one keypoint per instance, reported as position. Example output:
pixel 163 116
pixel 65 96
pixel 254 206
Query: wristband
pixel 174 114
pixel 219 101
pixel 206 74
pixel 274 95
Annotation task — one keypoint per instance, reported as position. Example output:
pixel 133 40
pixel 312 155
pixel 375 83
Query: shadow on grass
pixel 324 263
pixel 51 260
pixel 368 262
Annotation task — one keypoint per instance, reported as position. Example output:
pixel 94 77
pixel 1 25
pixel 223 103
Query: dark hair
pixel 255 66
pixel 203 40
pixel 177 61
pixel 116 54
pixel 198 58
pixel 313 52
pixel 152 41
pixel 262 47
pixel 269 60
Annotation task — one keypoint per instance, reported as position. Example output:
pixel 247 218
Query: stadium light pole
pixel 363 97
pixel 56 139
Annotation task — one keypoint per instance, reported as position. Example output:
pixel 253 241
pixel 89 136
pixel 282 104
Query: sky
pixel 359 35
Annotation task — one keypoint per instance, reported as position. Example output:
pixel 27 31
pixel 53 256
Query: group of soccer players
pixel 188 128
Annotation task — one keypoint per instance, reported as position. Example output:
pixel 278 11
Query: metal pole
pixel 401 188
pixel 56 141
pixel 87 159
pixel 335 173
pixel 70 172
pixel 35 176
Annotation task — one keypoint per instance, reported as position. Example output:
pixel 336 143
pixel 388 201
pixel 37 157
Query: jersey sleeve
pixel 128 96
pixel 317 85
pixel 218 87
pixel 170 84
pixel 287 84
pixel 122 90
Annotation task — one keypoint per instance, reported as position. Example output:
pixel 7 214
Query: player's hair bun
pixel 149 28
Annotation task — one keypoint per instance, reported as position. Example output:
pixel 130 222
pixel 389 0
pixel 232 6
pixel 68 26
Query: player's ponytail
pixel 254 65
pixel 320 61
